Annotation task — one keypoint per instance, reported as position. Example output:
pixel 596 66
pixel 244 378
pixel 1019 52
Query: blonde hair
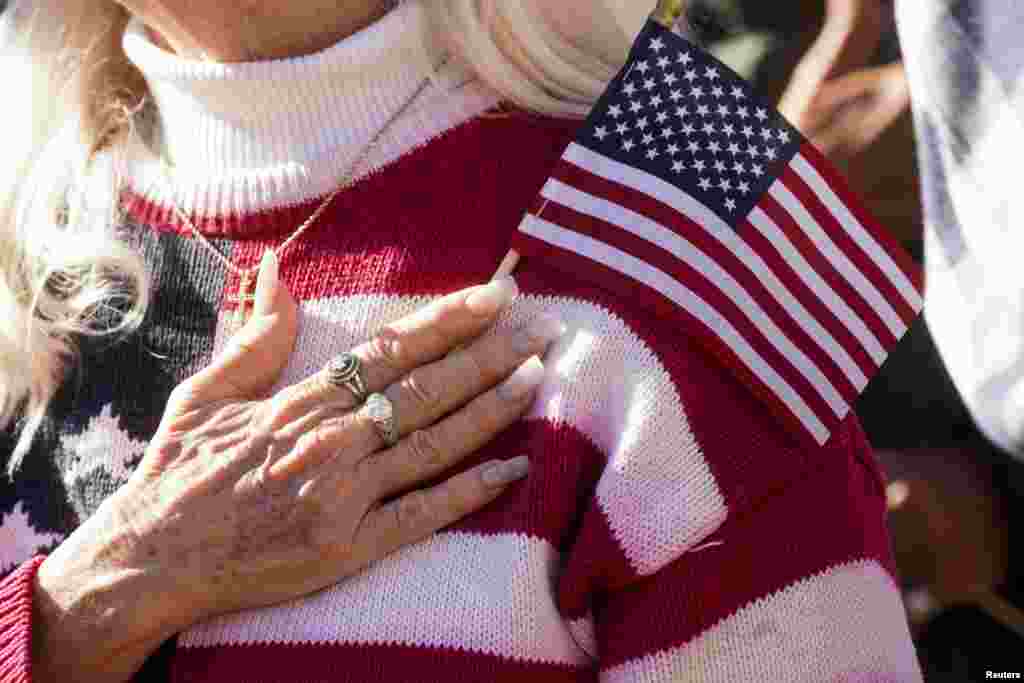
pixel 65 272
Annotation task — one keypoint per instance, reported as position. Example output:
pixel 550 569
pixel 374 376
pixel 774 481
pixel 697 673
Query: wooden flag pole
pixel 668 12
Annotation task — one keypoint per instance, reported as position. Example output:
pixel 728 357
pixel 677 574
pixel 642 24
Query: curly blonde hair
pixel 65 271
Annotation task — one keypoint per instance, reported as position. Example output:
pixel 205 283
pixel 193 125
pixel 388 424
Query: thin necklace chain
pixel 345 183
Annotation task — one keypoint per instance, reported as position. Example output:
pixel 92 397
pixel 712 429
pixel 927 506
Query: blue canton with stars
pixel 678 113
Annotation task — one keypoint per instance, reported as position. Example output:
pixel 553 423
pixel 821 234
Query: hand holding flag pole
pixel 667 13
pixel 688 194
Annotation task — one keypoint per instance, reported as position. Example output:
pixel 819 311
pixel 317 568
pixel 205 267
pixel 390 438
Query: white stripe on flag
pixel 835 303
pixel 686 299
pixel 837 257
pixel 715 274
pixel 651 185
pixel 672 196
pixel 857 232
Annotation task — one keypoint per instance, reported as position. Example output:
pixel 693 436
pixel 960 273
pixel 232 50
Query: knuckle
pixel 426 450
pixel 484 417
pixel 258 442
pixel 437 327
pixel 184 394
pixel 317 438
pixel 474 368
pixel 386 348
pixel 413 512
pixel 279 410
pixel 421 390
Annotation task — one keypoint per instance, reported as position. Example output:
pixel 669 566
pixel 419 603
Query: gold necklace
pixel 246 296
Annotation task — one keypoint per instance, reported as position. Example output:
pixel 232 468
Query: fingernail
pixel 266 283
pixel 524 380
pixel 539 334
pixel 502 473
pixel 492 297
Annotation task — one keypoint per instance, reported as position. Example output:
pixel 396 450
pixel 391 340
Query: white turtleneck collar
pixel 252 136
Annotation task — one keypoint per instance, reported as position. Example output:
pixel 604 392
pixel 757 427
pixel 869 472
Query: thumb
pixel 255 356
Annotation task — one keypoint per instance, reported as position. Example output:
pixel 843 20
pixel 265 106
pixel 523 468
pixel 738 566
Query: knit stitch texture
pixel 670 529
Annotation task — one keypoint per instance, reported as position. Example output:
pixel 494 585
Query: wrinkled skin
pixel 250 30
pixel 245 499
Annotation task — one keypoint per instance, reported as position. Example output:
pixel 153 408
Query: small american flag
pixel 687 191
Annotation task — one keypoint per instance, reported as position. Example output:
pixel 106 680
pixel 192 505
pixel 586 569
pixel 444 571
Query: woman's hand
pixel 243 501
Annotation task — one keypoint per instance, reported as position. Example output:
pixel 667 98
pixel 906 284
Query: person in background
pixel 961 64
pixel 964 62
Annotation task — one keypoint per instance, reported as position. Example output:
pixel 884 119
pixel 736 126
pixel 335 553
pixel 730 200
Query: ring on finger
pixel 381 412
pixel 345 372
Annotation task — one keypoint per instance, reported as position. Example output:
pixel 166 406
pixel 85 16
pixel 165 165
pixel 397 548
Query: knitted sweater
pixel 670 529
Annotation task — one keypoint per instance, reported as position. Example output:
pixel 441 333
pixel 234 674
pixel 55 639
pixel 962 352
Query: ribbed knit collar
pixel 253 136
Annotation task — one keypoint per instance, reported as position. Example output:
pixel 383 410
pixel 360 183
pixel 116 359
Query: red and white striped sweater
pixel 670 529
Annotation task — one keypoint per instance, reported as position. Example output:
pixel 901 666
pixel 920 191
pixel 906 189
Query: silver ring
pixel 345 371
pixel 381 412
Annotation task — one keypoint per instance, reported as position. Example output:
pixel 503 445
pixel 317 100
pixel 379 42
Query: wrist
pixel 93 626
pixel 97 615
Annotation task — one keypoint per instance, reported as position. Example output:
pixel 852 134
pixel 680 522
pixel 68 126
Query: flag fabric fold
pixel 686 191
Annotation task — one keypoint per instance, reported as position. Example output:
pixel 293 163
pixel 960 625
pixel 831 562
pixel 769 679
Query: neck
pixel 252 137
pixel 287 30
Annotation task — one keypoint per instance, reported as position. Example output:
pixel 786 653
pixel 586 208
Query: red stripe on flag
pixel 865 264
pixel 826 271
pixel 680 224
pixel 575 266
pixel 853 202
pixel 822 313
pixel 711 294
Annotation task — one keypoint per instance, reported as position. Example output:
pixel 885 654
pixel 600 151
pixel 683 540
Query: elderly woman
pixel 241 263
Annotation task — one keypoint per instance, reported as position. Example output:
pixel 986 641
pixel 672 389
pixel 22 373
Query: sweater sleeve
pixel 16 623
